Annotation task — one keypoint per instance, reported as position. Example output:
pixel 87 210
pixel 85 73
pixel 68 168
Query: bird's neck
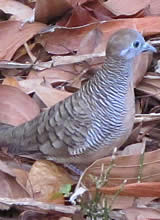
pixel 115 76
pixel 111 99
pixel 115 73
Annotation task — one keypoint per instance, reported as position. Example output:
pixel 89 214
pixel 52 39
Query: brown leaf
pixel 145 213
pixel 133 138
pixel 21 177
pixel 18 10
pixel 151 189
pixel 154 7
pixel 17 35
pixel 11 166
pixel 126 7
pixel 147 25
pixel 98 10
pixel 53 9
pixel 125 167
pixel 141 64
pixel 15 106
pixel 6 168
pixel 11 81
pixel 90 42
pixel 9 187
pixel 60 73
pixel 133 149
pixel 80 16
pixel 64 41
pixel 74 3
pixel 49 96
pixel 45 181
pixel 150 85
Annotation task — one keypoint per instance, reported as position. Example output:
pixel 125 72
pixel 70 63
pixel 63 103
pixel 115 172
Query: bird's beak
pixel 147 47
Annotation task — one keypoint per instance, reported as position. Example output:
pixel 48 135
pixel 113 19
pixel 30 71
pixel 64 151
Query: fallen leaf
pixel 53 9
pixel 126 7
pixel 49 96
pixel 154 7
pixel 90 42
pixel 45 181
pixel 11 81
pixel 145 213
pixel 18 10
pixel 125 168
pixel 20 34
pixel 10 188
pixel 151 189
pixel 64 41
pixel 141 64
pixel 133 149
pixel 150 85
pixel 15 106
pixel 79 16
pixel 58 73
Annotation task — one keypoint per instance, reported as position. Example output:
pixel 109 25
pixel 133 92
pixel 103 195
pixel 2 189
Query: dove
pixel 90 123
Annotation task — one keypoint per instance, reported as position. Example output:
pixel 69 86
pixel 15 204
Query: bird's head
pixel 127 43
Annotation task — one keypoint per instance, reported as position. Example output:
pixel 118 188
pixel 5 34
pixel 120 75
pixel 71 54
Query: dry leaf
pixel 15 106
pixel 64 41
pixel 58 73
pixel 150 85
pixel 154 7
pixel 80 16
pixel 133 149
pixel 141 65
pixel 90 42
pixel 18 10
pixel 45 181
pixel 151 189
pixel 126 7
pixel 14 34
pixel 49 96
pixel 53 9
pixel 125 167
pixel 142 213
pixel 10 188
pixel 11 81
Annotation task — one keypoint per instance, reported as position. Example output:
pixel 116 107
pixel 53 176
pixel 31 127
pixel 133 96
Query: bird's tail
pixel 14 138
pixel 5 131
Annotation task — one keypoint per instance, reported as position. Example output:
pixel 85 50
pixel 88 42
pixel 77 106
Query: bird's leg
pixel 74 169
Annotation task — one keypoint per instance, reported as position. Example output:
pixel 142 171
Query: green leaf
pixel 65 189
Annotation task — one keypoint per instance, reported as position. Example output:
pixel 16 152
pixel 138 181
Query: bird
pixel 90 123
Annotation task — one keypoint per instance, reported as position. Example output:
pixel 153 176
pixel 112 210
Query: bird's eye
pixel 136 44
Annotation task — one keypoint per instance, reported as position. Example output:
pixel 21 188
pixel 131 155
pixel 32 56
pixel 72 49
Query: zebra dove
pixel 89 124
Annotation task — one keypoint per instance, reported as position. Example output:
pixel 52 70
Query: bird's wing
pixel 68 124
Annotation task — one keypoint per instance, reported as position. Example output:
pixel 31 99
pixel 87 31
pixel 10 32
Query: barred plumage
pixel 90 123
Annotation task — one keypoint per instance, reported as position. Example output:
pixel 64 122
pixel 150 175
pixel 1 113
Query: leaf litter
pixel 45 55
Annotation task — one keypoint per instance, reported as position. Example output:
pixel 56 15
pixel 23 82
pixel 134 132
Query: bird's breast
pixel 113 119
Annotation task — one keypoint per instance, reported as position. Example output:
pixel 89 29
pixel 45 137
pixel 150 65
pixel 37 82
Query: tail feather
pixel 4 126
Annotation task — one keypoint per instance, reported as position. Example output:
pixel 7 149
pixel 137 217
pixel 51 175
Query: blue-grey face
pixel 127 43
